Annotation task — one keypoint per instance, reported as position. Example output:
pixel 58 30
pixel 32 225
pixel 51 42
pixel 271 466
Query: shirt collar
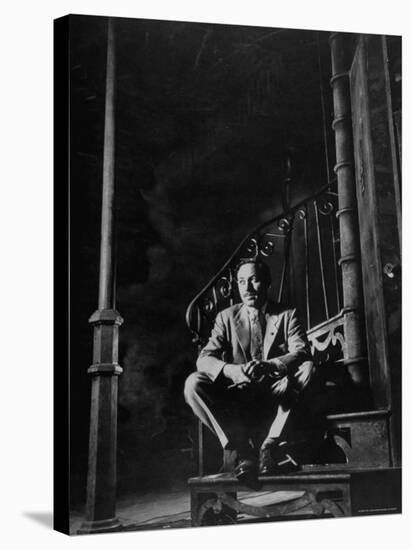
pixel 262 310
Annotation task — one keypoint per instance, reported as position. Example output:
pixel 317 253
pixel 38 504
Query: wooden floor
pixel 171 509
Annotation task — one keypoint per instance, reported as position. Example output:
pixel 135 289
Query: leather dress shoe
pixel 266 462
pixel 247 472
pixel 275 458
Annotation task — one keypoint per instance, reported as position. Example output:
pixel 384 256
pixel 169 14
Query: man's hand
pixel 253 369
pixel 273 369
pixel 240 375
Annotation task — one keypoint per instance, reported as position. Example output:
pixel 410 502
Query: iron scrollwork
pixel 267 248
pixel 225 286
pixel 325 207
pixel 301 214
pixel 284 224
pixel 263 241
pixel 208 306
pixel 252 248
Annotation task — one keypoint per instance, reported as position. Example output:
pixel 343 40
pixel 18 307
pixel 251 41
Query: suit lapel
pixel 242 330
pixel 273 323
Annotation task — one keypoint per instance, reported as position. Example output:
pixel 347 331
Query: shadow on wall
pixel 194 234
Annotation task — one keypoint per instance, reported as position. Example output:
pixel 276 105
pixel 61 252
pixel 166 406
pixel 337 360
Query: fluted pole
pixel 350 262
pixel 101 479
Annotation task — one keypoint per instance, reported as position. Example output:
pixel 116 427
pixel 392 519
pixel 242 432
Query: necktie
pixel 256 336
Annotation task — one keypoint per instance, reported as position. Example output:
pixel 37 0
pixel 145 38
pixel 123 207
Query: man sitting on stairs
pixel 248 388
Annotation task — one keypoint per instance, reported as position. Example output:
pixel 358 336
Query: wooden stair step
pixel 363 437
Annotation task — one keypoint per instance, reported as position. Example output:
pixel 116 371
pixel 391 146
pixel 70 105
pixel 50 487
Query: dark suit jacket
pixel 285 339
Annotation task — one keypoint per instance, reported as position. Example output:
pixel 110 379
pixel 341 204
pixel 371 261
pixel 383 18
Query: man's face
pixel 252 289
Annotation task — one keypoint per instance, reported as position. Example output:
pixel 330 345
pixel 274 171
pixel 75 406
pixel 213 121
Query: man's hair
pixel 261 268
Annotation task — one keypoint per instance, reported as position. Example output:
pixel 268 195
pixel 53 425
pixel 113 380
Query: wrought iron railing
pixel 300 246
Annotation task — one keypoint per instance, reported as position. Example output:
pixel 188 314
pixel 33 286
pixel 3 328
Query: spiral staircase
pixel 329 256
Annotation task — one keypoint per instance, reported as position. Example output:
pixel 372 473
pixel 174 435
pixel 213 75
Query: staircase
pixel 355 474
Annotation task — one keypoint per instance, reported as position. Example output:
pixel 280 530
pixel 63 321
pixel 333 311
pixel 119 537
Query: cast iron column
pixel 101 480
pixel 347 214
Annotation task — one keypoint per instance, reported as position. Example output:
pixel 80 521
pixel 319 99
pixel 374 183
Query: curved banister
pixel 287 214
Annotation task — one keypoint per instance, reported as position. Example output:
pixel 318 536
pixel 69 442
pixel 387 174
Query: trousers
pixel 236 416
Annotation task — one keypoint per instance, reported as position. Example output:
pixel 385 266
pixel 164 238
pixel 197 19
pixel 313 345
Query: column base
pixel 100 526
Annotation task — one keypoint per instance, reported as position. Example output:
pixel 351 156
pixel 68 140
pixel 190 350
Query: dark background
pixel 207 118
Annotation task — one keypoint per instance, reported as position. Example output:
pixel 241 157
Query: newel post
pixel 104 372
pixel 350 262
